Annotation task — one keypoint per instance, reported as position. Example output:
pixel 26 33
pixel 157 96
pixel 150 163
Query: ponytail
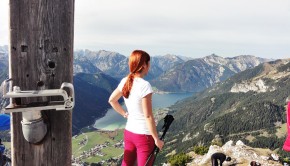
pixel 128 85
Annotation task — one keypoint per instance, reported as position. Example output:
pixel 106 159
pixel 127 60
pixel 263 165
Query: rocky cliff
pixel 240 154
pixel 198 74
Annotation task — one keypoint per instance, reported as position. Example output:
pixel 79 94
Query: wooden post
pixel 41 57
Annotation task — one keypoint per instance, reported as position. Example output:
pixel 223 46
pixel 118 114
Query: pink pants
pixel 137 146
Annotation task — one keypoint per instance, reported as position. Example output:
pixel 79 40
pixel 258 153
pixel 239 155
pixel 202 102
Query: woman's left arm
pixel 113 100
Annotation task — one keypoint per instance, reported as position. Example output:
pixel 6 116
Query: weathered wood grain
pixel 41 57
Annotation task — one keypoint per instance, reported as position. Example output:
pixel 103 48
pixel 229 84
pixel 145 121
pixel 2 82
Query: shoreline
pixel 162 100
pixel 166 92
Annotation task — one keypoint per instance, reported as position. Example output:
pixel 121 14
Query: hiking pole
pixel 168 119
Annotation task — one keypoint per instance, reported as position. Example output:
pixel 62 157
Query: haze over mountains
pixel 169 73
pixel 198 74
pixel 96 74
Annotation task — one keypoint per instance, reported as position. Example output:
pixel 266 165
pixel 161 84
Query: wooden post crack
pixel 41 57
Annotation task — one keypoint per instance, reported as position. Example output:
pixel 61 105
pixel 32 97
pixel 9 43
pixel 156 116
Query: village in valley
pixel 97 147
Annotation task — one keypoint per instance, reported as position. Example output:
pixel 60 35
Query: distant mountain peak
pixel 212 56
pixel 4 49
pixel 172 57
pixel 108 53
pixel 241 56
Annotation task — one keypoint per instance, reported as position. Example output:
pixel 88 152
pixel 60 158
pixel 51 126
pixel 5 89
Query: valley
pixel 239 98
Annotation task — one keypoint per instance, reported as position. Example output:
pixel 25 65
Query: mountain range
pixel 116 65
pixel 170 73
pixel 198 74
pixel 3 71
pixel 3 63
pixel 96 74
pixel 249 106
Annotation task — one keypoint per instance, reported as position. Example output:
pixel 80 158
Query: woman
pixel 140 133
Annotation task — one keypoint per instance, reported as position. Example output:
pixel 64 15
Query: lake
pixel 112 120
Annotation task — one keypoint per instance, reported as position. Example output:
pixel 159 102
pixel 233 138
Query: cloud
pixel 186 27
pixel 4 9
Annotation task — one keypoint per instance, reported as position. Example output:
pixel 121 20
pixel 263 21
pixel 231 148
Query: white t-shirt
pixel 136 120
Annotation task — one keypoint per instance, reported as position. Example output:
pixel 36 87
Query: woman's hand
pixel 126 115
pixel 159 143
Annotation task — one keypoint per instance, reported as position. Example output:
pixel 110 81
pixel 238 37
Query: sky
pixel 192 28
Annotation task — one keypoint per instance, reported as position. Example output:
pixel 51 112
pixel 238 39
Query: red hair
pixel 136 61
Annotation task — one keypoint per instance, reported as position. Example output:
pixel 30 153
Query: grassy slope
pixel 96 138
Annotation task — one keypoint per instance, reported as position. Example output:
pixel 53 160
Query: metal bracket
pixel 67 103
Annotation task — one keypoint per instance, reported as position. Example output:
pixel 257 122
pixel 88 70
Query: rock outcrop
pixel 240 154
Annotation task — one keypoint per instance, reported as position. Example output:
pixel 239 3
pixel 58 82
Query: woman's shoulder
pixel 142 81
pixel 122 82
pixel 123 79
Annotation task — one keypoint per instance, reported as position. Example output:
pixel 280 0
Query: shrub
pixel 218 140
pixel 201 150
pixel 179 160
pixel 218 143
pixel 286 160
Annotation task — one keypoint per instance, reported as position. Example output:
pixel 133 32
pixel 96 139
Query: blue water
pixel 112 120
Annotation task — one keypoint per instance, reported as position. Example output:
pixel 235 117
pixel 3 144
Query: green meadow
pixel 85 142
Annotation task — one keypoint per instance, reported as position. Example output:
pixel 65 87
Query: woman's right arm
pixel 113 100
pixel 147 110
